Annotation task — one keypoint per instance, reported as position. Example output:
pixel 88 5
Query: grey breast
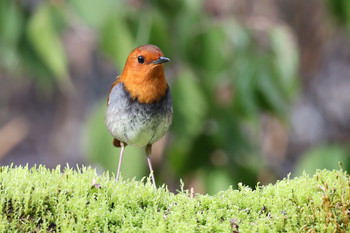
pixel 135 123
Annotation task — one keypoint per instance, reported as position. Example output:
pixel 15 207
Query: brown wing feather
pixel 116 143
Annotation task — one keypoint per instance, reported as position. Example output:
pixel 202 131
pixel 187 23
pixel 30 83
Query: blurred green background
pixel 260 88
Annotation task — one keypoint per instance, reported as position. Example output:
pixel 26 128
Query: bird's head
pixel 143 74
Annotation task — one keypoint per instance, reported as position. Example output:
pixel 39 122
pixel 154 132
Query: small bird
pixel 139 107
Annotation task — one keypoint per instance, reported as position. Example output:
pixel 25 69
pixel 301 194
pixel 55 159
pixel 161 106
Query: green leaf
pixel 285 59
pixel 11 26
pixel 190 106
pixel 46 42
pixel 11 22
pixel 237 35
pixel 117 40
pixel 340 9
pixel 272 98
pixel 206 49
pixel 190 109
pixel 320 157
pixel 244 74
pixel 95 13
pixel 217 180
pixel 159 32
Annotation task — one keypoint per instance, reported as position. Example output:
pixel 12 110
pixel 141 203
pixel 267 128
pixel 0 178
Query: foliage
pixel 340 11
pixel 322 156
pixel 40 200
pixel 29 42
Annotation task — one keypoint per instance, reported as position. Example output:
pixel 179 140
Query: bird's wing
pixel 115 83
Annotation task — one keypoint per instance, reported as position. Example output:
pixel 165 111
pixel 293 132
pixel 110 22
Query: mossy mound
pixel 41 200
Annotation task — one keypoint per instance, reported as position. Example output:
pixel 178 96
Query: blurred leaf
pixel 190 105
pixel 243 73
pixel 100 149
pixel 271 97
pixel 11 22
pixel 169 7
pixel 322 157
pixel 33 64
pixel 202 53
pixel 117 40
pixel 190 108
pixel 9 58
pixel 178 156
pixel 237 34
pixel 193 6
pixel 229 135
pixel 265 74
pixel 41 33
pixel 217 180
pixel 159 34
pixel 144 25
pixel 285 59
pixel 213 57
pixel 95 13
pixel 185 26
pixel 11 26
pixel 340 9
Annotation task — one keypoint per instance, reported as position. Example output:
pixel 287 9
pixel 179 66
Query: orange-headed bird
pixel 139 108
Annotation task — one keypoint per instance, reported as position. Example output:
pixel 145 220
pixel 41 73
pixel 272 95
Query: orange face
pixel 143 74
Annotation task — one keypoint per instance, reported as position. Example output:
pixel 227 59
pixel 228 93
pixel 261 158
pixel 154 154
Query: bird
pixel 139 105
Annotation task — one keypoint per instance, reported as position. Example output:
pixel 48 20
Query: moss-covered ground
pixel 78 200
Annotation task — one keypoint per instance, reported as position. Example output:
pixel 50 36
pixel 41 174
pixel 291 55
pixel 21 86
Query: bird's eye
pixel 141 59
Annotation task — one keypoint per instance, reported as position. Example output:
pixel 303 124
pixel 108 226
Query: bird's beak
pixel 160 60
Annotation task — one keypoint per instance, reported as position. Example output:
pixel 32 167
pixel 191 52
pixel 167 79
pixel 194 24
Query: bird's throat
pixel 147 89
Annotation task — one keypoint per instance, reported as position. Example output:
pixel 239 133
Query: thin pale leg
pixel 148 154
pixel 120 160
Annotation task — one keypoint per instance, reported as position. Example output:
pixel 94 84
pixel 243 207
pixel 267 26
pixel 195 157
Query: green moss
pixel 41 200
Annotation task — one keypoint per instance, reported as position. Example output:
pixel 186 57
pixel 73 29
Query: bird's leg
pixel 120 159
pixel 148 154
